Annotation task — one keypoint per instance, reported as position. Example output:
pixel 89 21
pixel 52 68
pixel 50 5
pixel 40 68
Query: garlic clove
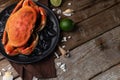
pixel 67 11
pixel 8 76
pixel 62 51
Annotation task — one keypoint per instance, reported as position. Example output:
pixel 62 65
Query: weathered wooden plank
pixel 79 3
pixel 89 59
pixel 94 9
pixel 94 26
pixel 1 57
pixel 5 3
pixel 111 74
pixel 5 66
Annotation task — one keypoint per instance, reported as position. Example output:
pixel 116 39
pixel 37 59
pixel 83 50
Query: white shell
pixel 69 37
pixel 69 4
pixel 59 11
pixel 63 46
pixel 9 68
pixel 65 38
pixel 57 56
pixel 3 69
pixel 53 9
pixel 58 64
pixel 59 17
pixel 63 67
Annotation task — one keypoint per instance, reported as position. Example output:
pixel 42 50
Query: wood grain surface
pixel 95 42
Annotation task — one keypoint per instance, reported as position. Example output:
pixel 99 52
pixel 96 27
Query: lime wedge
pixel 56 3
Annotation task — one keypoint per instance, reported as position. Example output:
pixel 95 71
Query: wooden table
pixel 98 55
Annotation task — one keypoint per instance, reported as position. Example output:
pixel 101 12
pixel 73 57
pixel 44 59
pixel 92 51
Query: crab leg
pixel 26 3
pixel 19 5
pixel 32 3
pixel 4 38
pixel 43 19
pixel 42 12
pixel 29 49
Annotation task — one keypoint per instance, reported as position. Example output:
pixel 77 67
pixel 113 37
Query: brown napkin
pixel 42 69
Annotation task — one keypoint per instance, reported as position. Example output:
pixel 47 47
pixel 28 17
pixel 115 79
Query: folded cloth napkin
pixel 42 69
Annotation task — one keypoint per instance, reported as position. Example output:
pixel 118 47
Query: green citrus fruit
pixel 66 24
pixel 56 3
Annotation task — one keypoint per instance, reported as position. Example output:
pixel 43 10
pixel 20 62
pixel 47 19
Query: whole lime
pixel 66 24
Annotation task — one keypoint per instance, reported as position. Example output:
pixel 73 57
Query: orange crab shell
pixel 19 36
pixel 20 27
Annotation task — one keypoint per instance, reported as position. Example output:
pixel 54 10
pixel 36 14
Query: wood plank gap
pixel 89 4
pixel 16 77
pixel 98 35
pixel 104 71
pixel 2 58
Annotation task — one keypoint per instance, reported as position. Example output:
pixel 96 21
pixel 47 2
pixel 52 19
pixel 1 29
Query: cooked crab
pixel 20 34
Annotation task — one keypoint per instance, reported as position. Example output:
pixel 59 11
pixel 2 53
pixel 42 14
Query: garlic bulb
pixel 8 76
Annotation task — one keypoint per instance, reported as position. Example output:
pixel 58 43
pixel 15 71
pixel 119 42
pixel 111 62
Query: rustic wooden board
pixel 5 3
pixel 1 57
pixel 111 74
pixel 93 7
pixel 94 26
pixel 89 59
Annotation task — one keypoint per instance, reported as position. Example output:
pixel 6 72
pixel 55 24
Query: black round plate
pixel 48 37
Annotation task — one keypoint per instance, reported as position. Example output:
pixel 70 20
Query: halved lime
pixel 56 3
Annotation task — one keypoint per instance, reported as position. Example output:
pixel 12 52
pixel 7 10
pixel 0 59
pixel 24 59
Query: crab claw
pixel 29 49
pixel 43 19
pixel 10 50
